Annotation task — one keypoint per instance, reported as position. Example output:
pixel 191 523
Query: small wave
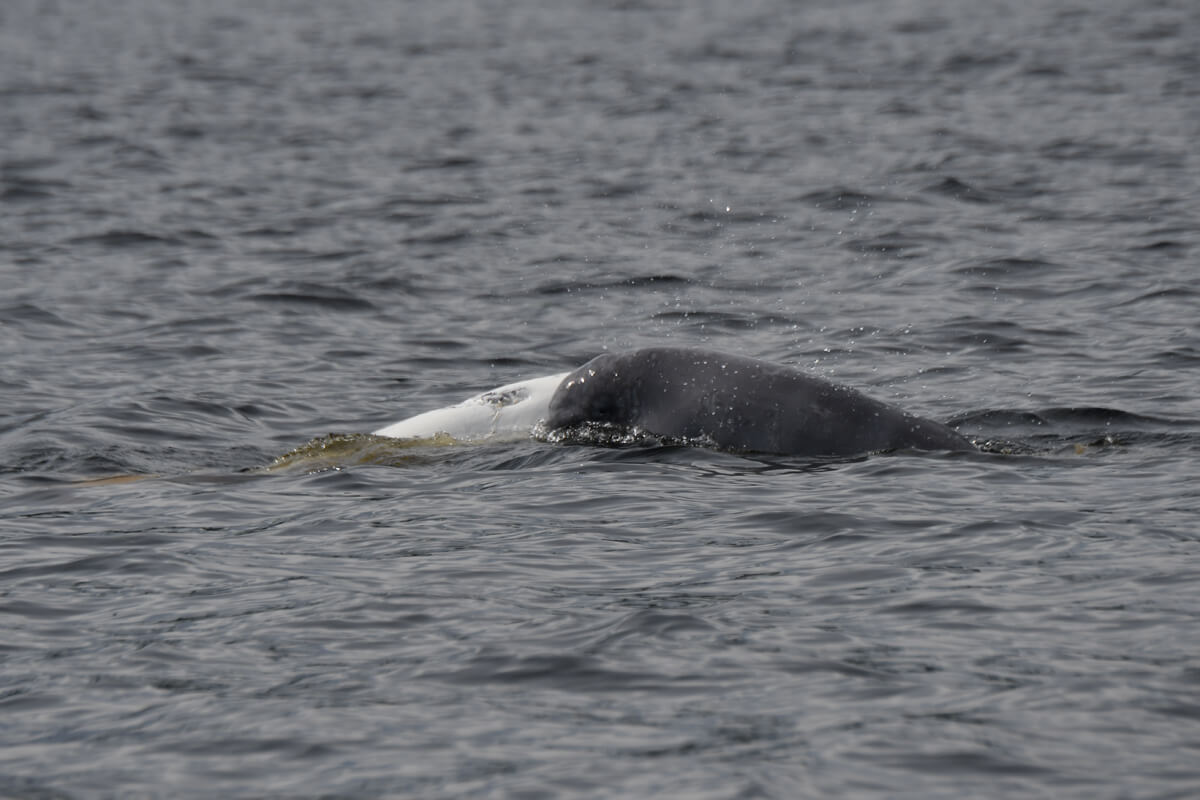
pixel 1078 428
pixel 726 320
pixel 837 198
pixel 125 239
pixel 976 61
pixel 304 293
pixel 1020 268
pixel 345 302
pixel 892 244
pixel 19 189
pixel 1075 417
pixel 632 282
pixel 578 673
pixel 1185 293
pixel 957 190
pixel 31 314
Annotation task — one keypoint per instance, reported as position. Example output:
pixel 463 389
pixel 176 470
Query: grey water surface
pixel 229 228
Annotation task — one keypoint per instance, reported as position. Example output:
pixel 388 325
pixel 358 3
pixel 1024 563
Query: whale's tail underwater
pixel 695 396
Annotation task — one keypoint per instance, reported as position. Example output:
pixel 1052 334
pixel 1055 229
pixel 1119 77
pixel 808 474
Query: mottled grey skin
pixel 740 404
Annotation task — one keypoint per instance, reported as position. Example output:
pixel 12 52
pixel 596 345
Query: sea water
pixel 228 230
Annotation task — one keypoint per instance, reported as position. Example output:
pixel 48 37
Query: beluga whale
pixel 696 396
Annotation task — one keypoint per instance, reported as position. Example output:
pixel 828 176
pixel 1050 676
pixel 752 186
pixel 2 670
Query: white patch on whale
pixel 506 412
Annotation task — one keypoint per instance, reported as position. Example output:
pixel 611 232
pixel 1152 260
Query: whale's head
pixel 506 412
